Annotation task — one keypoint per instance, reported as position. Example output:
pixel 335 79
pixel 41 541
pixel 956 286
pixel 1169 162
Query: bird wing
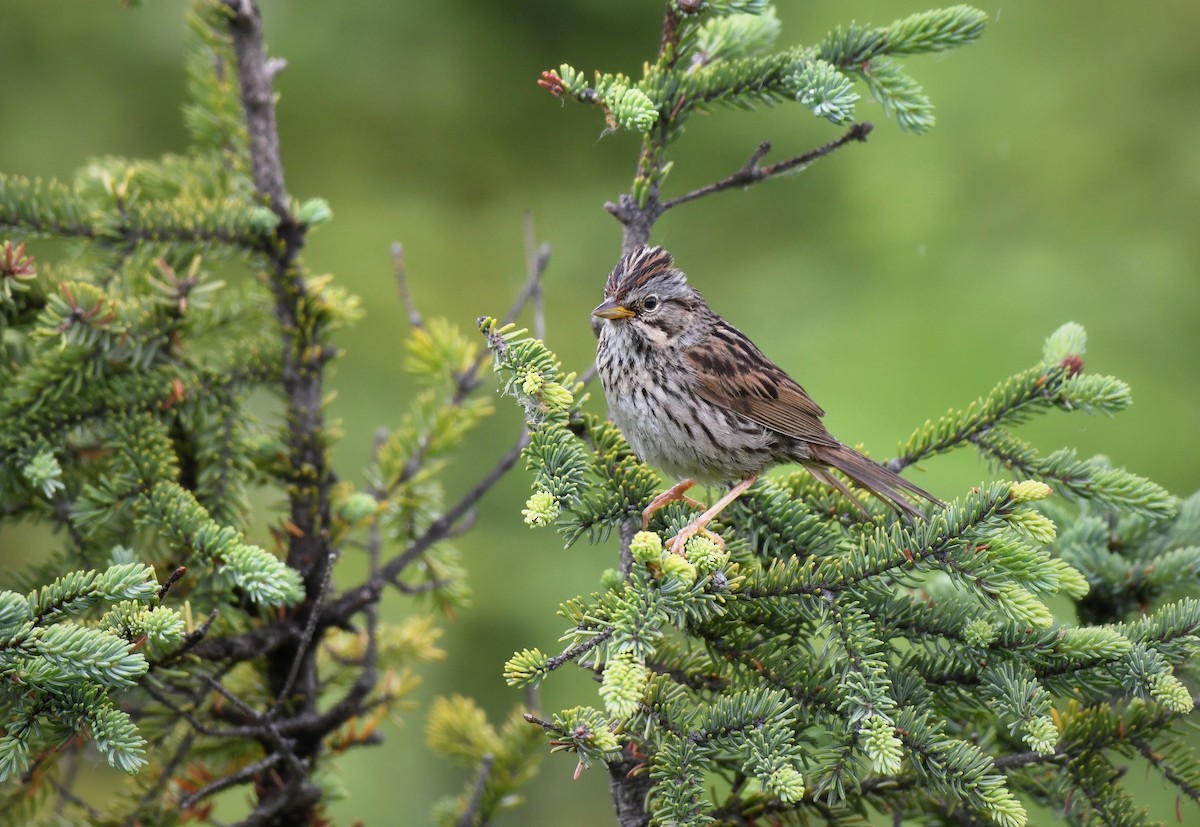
pixel 734 374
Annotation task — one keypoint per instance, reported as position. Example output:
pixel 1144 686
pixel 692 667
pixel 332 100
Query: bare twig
pixel 306 637
pixel 65 796
pixel 353 600
pixel 172 578
pixel 536 259
pixel 1157 761
pixel 242 776
pixel 400 269
pixel 532 289
pixel 471 813
pixel 63 786
pixel 164 777
pixel 549 726
pixel 256 74
pixel 752 173
pixel 197 634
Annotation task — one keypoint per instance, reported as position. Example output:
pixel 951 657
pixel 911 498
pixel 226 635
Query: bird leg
pixel 699 525
pixel 675 492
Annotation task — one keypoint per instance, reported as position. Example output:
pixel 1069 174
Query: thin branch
pixel 400 270
pixel 469 815
pixel 1157 761
pixel 1018 760
pixel 255 75
pixel 164 777
pixel 751 173
pixel 63 788
pixel 353 601
pixel 470 378
pixel 549 726
pixel 536 259
pixel 65 796
pixel 242 776
pixel 532 289
pixel 196 635
pixel 172 578
pixel 310 628
pixel 568 655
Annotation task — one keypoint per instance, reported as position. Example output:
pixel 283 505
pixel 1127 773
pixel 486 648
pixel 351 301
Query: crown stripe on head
pixel 637 268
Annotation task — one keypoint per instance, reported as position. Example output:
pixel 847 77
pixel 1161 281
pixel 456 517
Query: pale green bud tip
pixel 541 509
pixel 1071 581
pixel 623 684
pixel 1068 340
pixel 979 632
pixel 1029 491
pixel 675 567
pixel 263 218
pixel 787 783
pixel 44 472
pixel 1037 526
pixel 532 383
pixel 358 506
pixel 1041 734
pixel 882 746
pixel 315 211
pixel 706 554
pixel 1006 811
pixel 557 397
pixel 646 547
pixel 525 667
pixel 603 740
pixel 1167 690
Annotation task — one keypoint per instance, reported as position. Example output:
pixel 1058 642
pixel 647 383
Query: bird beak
pixel 609 309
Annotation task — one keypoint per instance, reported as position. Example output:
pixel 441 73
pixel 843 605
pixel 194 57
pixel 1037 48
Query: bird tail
pixel 887 485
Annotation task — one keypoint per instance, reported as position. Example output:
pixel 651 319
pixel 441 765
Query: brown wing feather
pixel 734 374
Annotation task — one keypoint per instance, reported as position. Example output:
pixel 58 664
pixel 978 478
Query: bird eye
pixel 650 303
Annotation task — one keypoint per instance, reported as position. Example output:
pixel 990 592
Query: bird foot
pixel 679 542
pixel 672 494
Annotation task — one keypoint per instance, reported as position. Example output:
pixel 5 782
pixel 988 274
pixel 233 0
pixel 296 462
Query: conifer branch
pixel 126 410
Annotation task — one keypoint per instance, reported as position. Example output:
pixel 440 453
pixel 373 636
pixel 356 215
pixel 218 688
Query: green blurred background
pixel 894 279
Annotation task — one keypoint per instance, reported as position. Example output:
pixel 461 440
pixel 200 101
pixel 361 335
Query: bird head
pixel 646 292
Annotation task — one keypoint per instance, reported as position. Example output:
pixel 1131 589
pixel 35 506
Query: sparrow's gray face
pixel 648 297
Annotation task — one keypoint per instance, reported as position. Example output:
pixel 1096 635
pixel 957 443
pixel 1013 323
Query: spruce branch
pixel 129 428
pixel 720 53
pixel 1057 381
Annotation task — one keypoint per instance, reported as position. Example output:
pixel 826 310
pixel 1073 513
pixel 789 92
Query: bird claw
pixel 672 494
pixel 679 542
